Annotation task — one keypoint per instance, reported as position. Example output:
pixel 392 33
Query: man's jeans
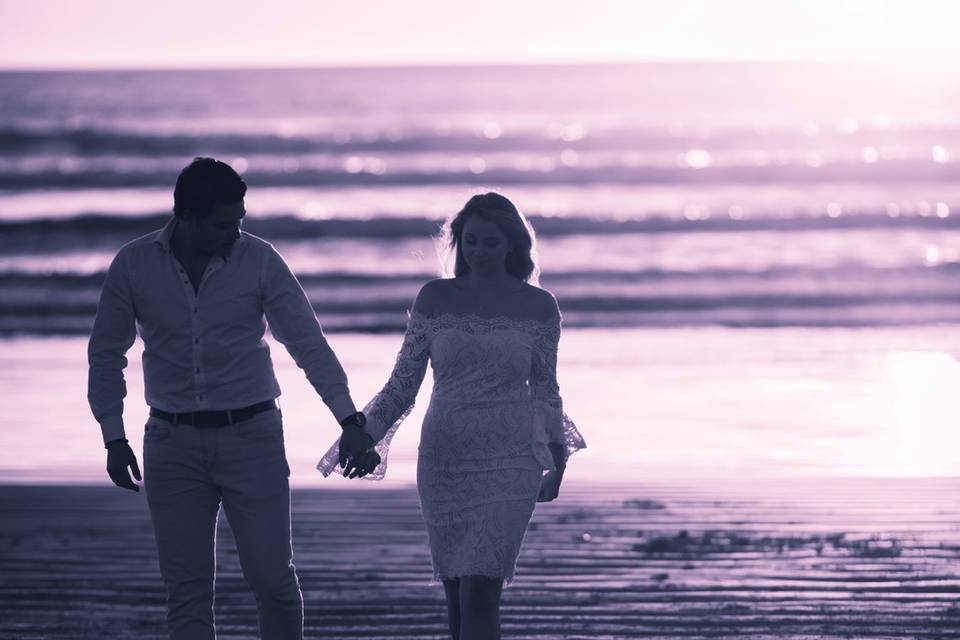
pixel 187 472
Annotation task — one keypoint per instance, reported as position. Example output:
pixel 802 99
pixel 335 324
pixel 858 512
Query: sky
pixel 255 33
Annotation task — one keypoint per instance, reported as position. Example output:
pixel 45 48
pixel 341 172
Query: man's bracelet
pixel 115 441
pixel 354 420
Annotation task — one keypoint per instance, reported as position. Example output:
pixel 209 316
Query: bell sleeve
pixel 388 409
pixel 545 391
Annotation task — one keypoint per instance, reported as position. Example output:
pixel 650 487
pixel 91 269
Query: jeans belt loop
pixel 229 416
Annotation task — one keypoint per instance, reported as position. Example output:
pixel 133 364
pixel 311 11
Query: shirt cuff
pixel 341 406
pixel 112 428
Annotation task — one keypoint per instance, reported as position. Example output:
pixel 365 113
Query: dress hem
pixel 437 580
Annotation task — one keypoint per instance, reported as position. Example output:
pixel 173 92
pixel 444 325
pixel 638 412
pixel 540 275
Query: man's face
pixel 215 234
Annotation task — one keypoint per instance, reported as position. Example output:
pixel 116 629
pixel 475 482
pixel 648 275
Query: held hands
pixel 362 464
pixel 353 441
pixel 120 457
pixel 357 456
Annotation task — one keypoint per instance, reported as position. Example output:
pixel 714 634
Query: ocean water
pixel 698 211
pixel 663 195
pixel 674 404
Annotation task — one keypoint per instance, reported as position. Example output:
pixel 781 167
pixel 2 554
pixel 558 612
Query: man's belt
pixel 214 418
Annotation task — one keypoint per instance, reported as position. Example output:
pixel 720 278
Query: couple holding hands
pixel 200 292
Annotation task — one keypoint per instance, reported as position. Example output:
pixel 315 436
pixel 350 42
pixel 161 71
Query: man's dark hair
pixel 205 183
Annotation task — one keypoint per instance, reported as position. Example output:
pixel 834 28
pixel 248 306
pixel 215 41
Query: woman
pixel 495 421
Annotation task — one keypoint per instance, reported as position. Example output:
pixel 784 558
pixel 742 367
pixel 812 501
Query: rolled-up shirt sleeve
pixel 293 322
pixel 114 331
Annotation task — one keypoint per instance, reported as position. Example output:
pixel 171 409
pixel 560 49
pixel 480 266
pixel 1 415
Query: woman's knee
pixel 480 594
pixel 451 589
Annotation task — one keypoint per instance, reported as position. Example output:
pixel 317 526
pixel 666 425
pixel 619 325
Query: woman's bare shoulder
pixel 539 303
pixel 432 295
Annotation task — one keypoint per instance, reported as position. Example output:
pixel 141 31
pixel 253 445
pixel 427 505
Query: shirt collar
pixel 164 236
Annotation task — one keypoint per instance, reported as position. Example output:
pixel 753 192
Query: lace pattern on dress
pixel 388 409
pixel 544 388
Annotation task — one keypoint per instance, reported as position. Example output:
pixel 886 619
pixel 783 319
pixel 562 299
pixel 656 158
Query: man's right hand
pixel 120 458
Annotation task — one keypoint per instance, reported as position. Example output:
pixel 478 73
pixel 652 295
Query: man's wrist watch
pixel 114 442
pixel 354 420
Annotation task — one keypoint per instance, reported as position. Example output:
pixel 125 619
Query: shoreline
pixel 790 403
pixel 785 559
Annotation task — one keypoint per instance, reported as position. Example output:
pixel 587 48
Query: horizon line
pixel 466 64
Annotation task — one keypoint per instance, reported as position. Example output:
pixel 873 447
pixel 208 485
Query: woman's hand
pixel 353 441
pixel 362 464
pixel 550 486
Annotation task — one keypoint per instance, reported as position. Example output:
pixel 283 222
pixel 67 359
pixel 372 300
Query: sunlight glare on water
pixel 924 393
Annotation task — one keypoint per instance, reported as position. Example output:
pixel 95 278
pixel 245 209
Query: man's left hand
pixel 362 464
pixel 353 441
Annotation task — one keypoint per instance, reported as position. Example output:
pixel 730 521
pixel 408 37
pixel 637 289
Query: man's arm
pixel 114 331
pixel 293 322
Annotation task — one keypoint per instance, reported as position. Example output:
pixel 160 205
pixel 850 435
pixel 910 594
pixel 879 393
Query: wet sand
pixel 833 558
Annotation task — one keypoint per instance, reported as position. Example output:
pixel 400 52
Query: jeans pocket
pixel 156 430
pixel 267 426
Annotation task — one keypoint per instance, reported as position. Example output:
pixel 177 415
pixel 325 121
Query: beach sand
pixel 831 558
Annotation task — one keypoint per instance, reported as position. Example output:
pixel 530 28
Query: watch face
pixel 357 418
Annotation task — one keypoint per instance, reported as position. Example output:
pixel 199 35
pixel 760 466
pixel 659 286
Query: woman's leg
pixel 480 608
pixel 452 590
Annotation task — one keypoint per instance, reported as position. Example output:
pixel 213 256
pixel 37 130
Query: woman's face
pixel 484 247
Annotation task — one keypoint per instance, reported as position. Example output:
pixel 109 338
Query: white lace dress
pixel 483 447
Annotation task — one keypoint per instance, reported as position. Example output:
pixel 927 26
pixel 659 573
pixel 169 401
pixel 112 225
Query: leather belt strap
pixel 214 419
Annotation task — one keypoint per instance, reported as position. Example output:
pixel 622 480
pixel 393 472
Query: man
pixel 200 292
